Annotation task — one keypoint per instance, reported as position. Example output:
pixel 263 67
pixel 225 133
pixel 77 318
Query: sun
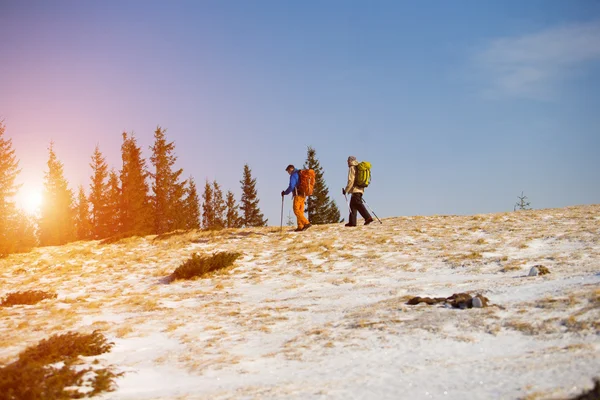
pixel 30 200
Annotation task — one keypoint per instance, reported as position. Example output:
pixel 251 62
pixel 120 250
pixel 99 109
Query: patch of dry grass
pixel 28 297
pixel 463 259
pixel 515 265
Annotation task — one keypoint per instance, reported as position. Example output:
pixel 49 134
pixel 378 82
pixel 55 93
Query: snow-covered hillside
pixel 323 313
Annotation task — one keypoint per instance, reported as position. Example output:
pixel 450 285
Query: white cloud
pixel 533 65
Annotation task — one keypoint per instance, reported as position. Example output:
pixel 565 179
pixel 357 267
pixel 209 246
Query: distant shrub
pixel 198 266
pixel 33 376
pixel 119 237
pixel 28 297
pixel 169 235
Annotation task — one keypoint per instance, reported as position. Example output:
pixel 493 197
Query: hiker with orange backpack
pixel 356 190
pixel 300 186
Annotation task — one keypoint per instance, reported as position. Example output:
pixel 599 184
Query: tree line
pixel 135 200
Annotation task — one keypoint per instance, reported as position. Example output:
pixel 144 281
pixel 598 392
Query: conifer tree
pixel 232 215
pixel 98 198
pixel 168 191
pixel 135 212
pixel 113 205
pixel 320 209
pixel 191 207
pixel 56 217
pixel 24 233
pixel 83 225
pixel 250 212
pixel 208 215
pixel 9 169
pixel 522 204
pixel 218 206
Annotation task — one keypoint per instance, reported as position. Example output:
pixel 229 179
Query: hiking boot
pixel 349 225
pixel 368 221
pixel 306 227
pixel 298 230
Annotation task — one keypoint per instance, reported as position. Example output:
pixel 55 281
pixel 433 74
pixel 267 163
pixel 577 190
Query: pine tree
pixel 522 204
pixel 56 217
pixel 251 215
pixel 218 206
pixel 24 233
pixel 98 198
pixel 232 215
pixel 113 205
pixel 191 207
pixel 208 215
pixel 168 191
pixel 320 209
pixel 83 224
pixel 136 218
pixel 9 169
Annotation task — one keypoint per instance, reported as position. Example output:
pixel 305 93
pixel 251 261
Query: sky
pixel 459 106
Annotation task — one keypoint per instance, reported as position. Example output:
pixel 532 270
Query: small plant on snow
pixel 198 266
pixel 28 297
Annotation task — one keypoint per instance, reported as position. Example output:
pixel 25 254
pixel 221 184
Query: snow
pixel 323 313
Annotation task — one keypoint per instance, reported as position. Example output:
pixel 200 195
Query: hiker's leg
pixel 305 220
pixel 354 202
pixel 361 208
pixel 299 211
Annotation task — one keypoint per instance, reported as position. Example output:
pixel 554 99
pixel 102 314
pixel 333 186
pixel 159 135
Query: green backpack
pixel 363 174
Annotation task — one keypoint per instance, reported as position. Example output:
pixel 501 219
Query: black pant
pixel 356 204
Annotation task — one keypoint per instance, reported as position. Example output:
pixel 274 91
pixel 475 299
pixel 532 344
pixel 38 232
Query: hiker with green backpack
pixel 359 175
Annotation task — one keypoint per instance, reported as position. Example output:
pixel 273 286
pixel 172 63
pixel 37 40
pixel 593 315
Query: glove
pixel 344 191
pixel 282 193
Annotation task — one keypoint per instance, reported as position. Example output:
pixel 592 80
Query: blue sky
pixel 458 105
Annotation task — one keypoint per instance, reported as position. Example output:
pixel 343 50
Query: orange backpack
pixel 306 182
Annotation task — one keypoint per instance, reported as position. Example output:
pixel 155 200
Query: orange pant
pixel 299 211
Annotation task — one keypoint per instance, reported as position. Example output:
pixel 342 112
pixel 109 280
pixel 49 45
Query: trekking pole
pixel 372 211
pixel 347 204
pixel 281 224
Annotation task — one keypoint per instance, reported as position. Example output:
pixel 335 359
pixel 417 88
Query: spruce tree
pixel 168 190
pixel 218 206
pixel 250 212
pixel 113 205
pixel 83 224
pixel 191 207
pixel 24 235
pixel 232 215
pixel 56 218
pixel 98 198
pixel 208 215
pixel 522 204
pixel 320 209
pixel 9 169
pixel 136 217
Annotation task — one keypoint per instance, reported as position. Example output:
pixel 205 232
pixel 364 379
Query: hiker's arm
pixel 351 175
pixel 293 183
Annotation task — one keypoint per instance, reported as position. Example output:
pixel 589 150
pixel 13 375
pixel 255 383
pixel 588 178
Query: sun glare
pixel 29 200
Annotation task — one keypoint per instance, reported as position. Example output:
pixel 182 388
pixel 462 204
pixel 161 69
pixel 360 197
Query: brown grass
pixel 28 297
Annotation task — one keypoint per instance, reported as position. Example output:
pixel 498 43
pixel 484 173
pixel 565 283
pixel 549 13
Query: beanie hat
pixel 289 167
pixel 351 158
